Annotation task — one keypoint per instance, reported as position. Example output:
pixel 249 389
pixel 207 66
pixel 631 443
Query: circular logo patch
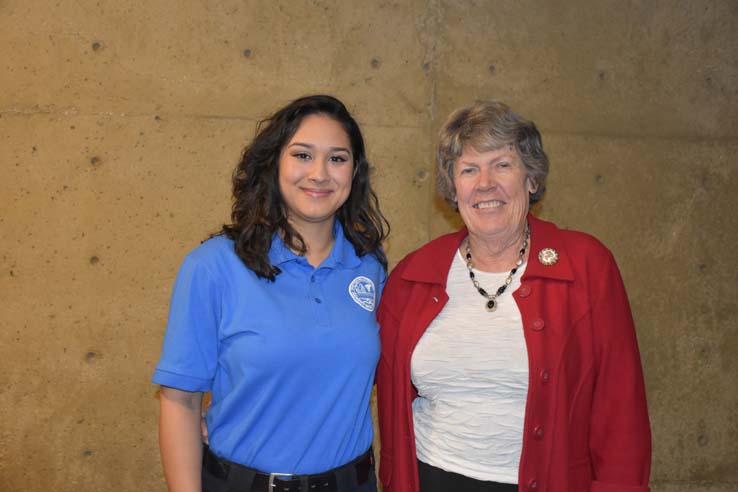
pixel 363 292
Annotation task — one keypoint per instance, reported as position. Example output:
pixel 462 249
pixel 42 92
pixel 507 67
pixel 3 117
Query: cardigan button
pixel 537 324
pixel 538 432
pixel 545 376
pixel 532 484
pixel 524 290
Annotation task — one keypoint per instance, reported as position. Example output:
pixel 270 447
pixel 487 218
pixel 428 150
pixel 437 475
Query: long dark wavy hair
pixel 259 209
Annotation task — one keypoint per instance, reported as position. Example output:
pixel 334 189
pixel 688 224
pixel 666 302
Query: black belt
pixel 356 472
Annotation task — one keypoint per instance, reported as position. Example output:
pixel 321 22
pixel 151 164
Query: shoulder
pixel 577 244
pixel 428 264
pixel 439 250
pixel 346 255
pixel 369 260
pixel 212 249
pixel 216 256
pixel 550 231
pixel 369 266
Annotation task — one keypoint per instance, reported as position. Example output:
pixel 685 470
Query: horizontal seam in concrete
pixel 626 136
pixel 603 136
pixel 34 112
pixel 74 112
pixel 211 117
pixel 28 112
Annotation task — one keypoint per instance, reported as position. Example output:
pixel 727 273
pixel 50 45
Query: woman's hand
pixel 180 439
pixel 204 427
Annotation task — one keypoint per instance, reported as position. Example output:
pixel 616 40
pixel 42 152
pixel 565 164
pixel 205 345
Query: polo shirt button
pixel 545 376
pixel 312 280
pixel 524 291
pixel 538 432
pixel 532 484
pixel 537 324
pixel 317 299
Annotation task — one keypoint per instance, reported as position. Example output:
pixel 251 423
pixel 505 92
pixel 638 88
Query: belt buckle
pixel 272 476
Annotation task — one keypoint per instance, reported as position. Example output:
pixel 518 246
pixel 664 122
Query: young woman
pixel 275 317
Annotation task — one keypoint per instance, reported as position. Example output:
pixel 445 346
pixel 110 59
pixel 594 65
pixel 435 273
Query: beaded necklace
pixel 491 304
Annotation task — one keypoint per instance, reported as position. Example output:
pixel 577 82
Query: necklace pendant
pixel 491 304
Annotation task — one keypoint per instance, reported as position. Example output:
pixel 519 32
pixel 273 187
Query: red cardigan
pixel 586 423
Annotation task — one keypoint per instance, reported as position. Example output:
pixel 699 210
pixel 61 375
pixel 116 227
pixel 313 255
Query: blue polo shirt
pixel 290 363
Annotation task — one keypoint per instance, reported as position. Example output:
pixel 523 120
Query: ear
pixel 531 185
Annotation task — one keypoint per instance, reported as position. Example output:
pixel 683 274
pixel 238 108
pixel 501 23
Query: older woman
pixel 509 356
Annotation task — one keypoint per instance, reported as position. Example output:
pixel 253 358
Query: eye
pixel 504 164
pixel 338 158
pixel 303 156
pixel 467 170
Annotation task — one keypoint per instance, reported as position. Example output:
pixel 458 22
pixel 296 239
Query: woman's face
pixel 492 190
pixel 315 171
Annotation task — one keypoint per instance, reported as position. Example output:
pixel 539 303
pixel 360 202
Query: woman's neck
pixel 497 254
pixel 318 239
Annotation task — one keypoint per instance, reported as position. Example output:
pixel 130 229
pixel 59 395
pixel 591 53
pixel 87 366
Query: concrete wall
pixel 121 121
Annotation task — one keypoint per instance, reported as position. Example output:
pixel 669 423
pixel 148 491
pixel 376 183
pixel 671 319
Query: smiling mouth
pixel 316 192
pixel 488 204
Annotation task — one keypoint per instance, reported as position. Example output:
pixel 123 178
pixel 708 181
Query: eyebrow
pixel 311 146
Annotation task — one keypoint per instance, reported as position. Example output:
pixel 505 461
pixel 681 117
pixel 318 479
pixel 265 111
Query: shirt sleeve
pixel 190 351
pixel 620 437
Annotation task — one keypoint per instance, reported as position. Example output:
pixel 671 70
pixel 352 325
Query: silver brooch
pixel 548 256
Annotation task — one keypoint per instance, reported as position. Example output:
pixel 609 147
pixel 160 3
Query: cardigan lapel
pixel 545 235
pixel 431 263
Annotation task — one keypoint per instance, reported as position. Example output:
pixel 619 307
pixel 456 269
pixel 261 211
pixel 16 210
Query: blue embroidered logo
pixel 363 293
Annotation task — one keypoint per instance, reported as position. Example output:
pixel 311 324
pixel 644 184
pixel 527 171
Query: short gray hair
pixel 489 125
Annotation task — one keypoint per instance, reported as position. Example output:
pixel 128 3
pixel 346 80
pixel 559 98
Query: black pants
pixel 434 479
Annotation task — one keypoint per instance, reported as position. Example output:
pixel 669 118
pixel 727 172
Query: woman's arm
pixel 620 436
pixel 180 439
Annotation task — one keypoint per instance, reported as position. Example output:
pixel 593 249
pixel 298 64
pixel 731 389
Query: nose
pixel 487 179
pixel 319 171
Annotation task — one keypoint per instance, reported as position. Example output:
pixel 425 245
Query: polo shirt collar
pixel 342 253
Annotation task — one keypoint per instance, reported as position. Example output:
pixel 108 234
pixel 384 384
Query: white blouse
pixel 471 371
